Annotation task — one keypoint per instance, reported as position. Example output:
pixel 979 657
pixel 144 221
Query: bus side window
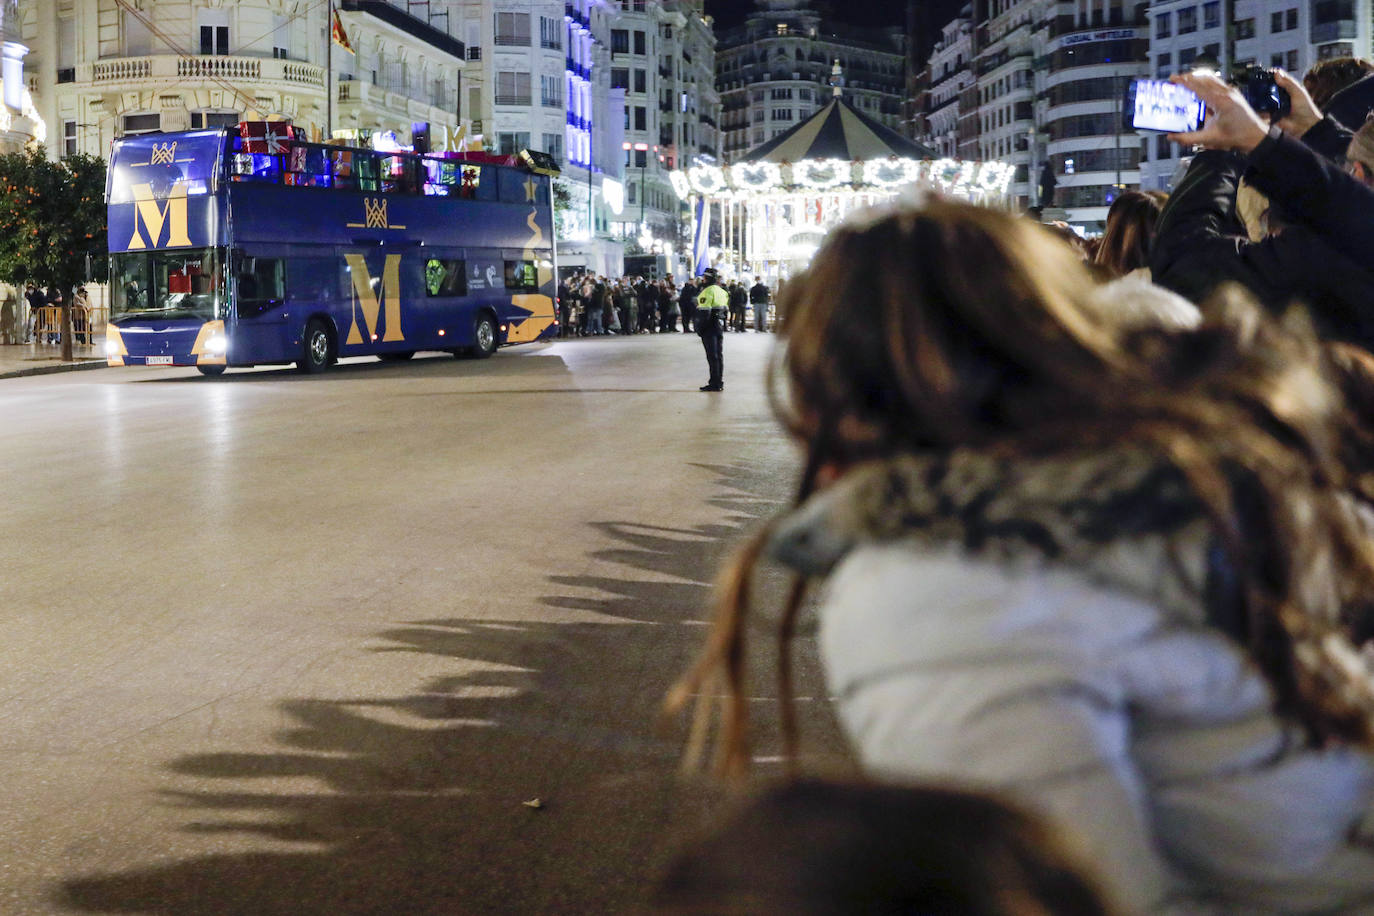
pixel 365 167
pixel 260 285
pixel 399 174
pixel 341 163
pixel 521 275
pixel 446 278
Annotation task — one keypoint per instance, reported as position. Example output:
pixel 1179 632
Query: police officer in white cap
pixel 712 303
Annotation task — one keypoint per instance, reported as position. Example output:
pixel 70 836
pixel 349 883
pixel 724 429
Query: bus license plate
pixel 159 360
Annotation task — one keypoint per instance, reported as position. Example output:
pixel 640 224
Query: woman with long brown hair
pixel 1103 568
pixel 1131 219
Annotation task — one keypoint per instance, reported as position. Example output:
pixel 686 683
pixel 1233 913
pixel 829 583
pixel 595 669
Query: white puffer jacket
pixel 1039 630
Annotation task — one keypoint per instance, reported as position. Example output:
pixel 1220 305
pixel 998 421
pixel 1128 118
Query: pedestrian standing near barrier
pixel 712 303
pixel 55 299
pixel 687 304
pixel 758 299
pixel 739 298
pixel 35 300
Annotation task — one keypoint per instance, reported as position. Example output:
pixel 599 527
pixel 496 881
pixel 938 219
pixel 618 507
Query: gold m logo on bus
pixel 374 208
pixel 152 216
pixel 366 298
pixel 164 153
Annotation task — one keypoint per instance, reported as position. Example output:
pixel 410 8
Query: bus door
pixel 260 307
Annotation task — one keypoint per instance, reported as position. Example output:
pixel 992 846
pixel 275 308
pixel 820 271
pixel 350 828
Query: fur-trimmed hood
pixel 1124 518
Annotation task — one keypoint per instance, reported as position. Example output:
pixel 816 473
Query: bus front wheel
pixel 317 347
pixel 484 337
pixel 211 370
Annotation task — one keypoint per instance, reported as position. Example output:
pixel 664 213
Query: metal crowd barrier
pixel 47 324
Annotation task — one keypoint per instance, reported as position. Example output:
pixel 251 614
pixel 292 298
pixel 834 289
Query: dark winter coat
pixel 1200 244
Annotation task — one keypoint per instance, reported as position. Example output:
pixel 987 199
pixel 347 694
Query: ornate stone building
pixel 101 69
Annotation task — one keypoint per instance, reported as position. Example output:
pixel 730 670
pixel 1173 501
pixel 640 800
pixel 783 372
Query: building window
pixel 640 78
pixel 641 118
pixel 553 145
pixel 1163 25
pixel 1292 18
pixel 620 41
pixel 1164 65
pixel 550 33
pixel 551 91
pixel 512 87
pixel 512 143
pixel 207 119
pixel 1245 28
pixel 1211 14
pixel 214 39
pixel 1291 62
pixel 68 138
pixel 1276 22
pixel 620 78
pixel 1186 58
pixel 141 124
pixel 640 45
pixel 513 29
pixel 1187 20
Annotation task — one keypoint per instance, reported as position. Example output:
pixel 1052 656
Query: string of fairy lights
pixel 967 179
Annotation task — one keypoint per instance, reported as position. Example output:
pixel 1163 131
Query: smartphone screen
pixel 1162 105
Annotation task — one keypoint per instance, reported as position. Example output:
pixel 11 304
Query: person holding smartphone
pixel 1321 256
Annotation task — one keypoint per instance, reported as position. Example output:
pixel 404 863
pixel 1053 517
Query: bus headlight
pixel 216 344
pixel 111 348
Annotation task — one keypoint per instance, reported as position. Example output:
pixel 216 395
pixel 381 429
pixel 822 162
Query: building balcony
pixel 130 73
pixel 356 97
pixel 1339 30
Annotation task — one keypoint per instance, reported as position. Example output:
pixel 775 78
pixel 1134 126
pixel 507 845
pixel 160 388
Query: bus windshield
pixel 186 283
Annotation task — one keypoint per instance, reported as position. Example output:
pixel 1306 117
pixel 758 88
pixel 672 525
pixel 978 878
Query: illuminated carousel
pixel 772 208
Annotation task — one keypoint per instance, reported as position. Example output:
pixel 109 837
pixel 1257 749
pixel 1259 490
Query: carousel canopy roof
pixel 838 131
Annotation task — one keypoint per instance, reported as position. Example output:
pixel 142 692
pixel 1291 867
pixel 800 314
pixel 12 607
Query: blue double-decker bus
pixel 228 249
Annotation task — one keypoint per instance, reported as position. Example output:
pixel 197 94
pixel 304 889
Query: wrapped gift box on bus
pixel 271 137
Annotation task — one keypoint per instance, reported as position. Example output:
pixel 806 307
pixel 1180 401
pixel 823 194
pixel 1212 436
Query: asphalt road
pixel 284 644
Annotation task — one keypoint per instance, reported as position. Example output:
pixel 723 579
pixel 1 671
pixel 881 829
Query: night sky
pixel 856 12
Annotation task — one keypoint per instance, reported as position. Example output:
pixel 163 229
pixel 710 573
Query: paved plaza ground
pixel 283 644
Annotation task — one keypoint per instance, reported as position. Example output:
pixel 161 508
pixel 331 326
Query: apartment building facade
pixel 947 76
pixel 1042 83
pixel 662 57
pixel 774 72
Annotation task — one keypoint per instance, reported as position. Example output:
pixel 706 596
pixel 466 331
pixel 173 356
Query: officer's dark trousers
pixel 711 329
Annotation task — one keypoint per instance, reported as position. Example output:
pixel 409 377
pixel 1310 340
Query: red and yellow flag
pixel 336 31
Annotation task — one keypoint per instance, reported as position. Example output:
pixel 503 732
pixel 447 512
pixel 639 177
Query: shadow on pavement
pixel 421 806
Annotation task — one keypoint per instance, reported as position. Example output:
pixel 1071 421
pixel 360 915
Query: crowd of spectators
pixel 590 305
